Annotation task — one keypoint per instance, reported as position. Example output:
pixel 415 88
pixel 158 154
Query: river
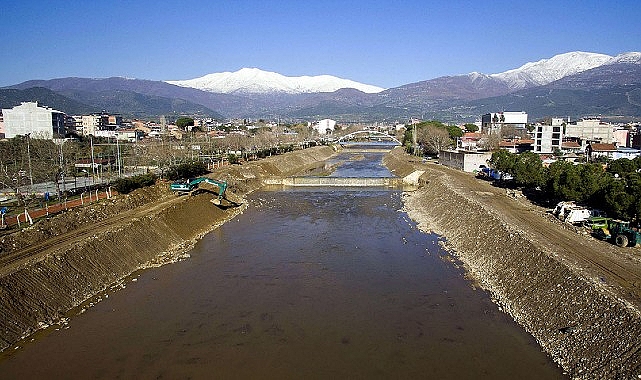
pixel 306 283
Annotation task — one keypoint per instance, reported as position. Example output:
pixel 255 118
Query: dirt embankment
pixel 577 296
pixel 57 264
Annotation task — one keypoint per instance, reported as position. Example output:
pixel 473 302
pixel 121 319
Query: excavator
pixel 189 186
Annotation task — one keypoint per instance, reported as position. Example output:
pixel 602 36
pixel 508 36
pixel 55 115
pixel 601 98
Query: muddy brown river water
pixel 306 283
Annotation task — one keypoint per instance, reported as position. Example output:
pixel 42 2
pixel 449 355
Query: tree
pixel 504 161
pixel 469 127
pixel 622 166
pixel 618 201
pixel 184 122
pixel 433 138
pixel 490 141
pixel 528 170
pixel 454 131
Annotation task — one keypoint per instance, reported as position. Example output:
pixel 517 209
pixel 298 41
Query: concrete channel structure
pixel 338 181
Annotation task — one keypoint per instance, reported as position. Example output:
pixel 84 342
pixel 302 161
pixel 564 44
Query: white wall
pixel 28 118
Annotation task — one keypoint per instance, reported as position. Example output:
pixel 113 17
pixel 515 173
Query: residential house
pixel 621 137
pixel 571 147
pixel 468 161
pixel 470 141
pixel 1 125
pixel 516 145
pixel 596 150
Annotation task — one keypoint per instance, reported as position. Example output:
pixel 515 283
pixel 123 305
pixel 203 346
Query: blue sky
pixel 384 43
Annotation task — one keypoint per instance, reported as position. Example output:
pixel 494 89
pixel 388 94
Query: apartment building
pixel 590 129
pixel 30 119
pixel 548 138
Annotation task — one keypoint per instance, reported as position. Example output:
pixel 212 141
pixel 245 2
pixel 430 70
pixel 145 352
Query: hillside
pixel 76 96
pixel 10 98
pixel 572 84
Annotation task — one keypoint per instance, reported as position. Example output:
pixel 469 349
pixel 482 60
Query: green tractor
pixel 620 233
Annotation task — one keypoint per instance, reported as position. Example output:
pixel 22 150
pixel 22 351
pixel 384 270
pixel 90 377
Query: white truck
pixel 571 213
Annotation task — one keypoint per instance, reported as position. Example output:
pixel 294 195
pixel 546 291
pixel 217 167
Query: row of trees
pixel 615 189
pixel 432 136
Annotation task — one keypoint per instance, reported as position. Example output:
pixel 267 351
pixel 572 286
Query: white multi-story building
pixel 93 123
pixel 548 138
pixel 494 122
pixel 30 119
pixel 1 125
pixel 325 126
pixel 590 129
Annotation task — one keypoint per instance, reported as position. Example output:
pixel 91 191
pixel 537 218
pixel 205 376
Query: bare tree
pixel 433 139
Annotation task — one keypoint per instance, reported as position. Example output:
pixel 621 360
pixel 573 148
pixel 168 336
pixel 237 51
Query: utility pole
pixel 414 141
pixel 93 164
pixel 29 158
pixel 118 163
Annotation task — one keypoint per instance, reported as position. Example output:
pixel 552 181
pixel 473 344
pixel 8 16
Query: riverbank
pixel 577 296
pixel 57 264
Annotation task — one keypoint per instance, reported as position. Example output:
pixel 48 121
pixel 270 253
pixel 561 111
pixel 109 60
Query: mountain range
pixel 256 81
pixel 573 84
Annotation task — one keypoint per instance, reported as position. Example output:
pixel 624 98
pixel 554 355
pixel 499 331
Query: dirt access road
pixel 619 269
pixel 33 249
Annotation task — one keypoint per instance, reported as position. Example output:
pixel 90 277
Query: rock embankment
pixel 101 244
pixel 587 329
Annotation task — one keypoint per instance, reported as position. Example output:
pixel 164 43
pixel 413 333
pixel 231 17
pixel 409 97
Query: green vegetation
pixel 615 190
pixel 469 127
pixel 188 170
pixel 127 185
pixel 183 122
pixel 431 136
pixel 233 159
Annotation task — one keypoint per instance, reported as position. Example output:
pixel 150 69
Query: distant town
pixel 42 145
pixel 584 139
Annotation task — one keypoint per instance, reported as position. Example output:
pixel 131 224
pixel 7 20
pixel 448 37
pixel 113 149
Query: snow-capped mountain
pixel 256 81
pixel 549 70
pixel 631 57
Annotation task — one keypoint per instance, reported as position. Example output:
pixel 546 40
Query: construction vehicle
pixel 595 223
pixel 191 185
pixel 620 233
pixel 572 213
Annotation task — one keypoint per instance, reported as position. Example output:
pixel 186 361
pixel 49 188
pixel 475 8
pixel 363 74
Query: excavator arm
pixel 192 184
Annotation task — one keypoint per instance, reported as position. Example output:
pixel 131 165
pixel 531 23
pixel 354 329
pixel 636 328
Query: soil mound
pixel 59 263
pixel 539 273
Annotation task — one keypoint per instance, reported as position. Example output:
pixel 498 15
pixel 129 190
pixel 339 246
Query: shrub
pixel 190 170
pixel 127 185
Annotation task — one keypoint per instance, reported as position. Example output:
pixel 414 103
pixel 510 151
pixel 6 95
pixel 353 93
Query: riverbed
pixel 312 283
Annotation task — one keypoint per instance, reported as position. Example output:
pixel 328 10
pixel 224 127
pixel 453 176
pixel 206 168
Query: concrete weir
pixel 338 181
